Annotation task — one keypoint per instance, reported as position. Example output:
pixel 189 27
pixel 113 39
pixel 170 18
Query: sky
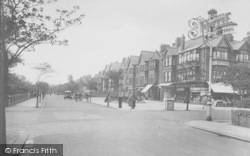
pixel 114 29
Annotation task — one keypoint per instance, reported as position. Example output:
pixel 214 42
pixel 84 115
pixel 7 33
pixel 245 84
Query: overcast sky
pixel 113 29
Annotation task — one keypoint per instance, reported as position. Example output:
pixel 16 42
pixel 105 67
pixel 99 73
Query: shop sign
pixel 221 25
pixel 198 89
pixel 180 89
pixel 204 93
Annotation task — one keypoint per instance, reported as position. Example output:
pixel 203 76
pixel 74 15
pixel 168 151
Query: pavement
pixel 20 137
pixel 222 128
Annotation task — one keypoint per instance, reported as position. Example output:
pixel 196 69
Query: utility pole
pixel 3 75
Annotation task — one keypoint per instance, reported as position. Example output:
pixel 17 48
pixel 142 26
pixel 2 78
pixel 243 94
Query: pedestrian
pixel 132 101
pixel 187 100
pixel 87 96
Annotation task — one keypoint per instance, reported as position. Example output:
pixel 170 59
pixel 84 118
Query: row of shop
pixel 198 90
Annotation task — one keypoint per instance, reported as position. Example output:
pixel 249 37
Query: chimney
pixel 178 42
pixel 230 37
pixel 182 42
pixel 164 47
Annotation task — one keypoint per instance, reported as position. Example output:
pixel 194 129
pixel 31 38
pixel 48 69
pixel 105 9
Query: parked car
pixel 222 103
pixel 68 95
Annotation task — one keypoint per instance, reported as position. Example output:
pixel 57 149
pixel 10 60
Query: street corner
pixel 16 137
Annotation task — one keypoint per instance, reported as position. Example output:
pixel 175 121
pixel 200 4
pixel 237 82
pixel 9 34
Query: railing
pixel 13 99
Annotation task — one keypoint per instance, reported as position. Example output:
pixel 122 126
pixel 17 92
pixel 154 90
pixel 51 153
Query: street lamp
pixel 195 24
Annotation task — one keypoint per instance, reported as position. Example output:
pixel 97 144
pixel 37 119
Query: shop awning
pixel 164 84
pixel 145 89
pixel 222 88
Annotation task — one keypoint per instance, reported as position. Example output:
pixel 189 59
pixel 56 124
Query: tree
pixel 72 85
pixel 23 25
pixel 43 70
pixel 238 76
pixel 113 77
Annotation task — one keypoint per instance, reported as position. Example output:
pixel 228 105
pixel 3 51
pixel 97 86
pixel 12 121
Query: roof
pixel 199 42
pixel 193 43
pixel 156 56
pixel 115 66
pixel 236 45
pixel 107 67
pixel 147 55
pixel 171 51
pixel 134 59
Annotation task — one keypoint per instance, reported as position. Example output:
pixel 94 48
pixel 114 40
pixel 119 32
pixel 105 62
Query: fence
pixel 13 99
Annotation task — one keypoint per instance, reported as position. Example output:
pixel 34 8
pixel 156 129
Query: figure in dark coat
pixel 132 101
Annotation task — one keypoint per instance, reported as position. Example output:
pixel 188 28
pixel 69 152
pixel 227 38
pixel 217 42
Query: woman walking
pixel 131 101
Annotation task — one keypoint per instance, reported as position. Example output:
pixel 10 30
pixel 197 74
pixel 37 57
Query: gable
pixel 142 62
pixel 245 47
pixel 223 44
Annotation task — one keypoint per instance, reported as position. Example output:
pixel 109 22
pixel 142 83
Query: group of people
pixel 79 97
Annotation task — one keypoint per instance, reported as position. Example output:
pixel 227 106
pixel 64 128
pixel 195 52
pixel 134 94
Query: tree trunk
pixel 37 96
pixel 3 80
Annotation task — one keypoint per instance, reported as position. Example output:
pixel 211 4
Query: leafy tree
pixel 23 26
pixel 113 77
pixel 238 76
pixel 27 25
pixel 89 82
pixel 19 84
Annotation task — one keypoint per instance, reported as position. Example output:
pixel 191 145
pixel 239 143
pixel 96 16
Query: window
pixel 152 78
pixel 219 74
pixel 141 80
pixel 167 76
pixel 180 58
pixel 220 55
pixel 242 57
pixel 142 68
pixel 151 65
pixel 168 61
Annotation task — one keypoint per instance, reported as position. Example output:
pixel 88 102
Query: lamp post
pixel 195 24
pixel 209 103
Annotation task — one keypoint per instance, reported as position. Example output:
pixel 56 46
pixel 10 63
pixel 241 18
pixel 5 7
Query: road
pixel 95 130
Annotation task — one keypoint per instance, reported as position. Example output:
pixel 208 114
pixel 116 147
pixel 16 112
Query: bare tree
pixel 43 70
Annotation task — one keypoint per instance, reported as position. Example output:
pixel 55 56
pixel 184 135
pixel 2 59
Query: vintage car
pixel 68 95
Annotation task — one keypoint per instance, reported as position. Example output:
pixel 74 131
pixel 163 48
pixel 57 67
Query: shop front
pixel 196 89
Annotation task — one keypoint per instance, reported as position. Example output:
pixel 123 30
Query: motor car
pixel 68 95
pixel 221 103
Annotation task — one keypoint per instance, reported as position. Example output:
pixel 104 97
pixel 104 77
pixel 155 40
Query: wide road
pixel 94 130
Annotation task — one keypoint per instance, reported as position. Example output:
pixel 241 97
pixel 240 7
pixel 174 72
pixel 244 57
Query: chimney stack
pixel 182 42
pixel 178 42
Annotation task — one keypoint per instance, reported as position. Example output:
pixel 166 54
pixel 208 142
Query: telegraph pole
pixel 2 79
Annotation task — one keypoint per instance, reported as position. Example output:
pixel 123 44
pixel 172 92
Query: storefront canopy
pixel 222 88
pixel 164 84
pixel 145 89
